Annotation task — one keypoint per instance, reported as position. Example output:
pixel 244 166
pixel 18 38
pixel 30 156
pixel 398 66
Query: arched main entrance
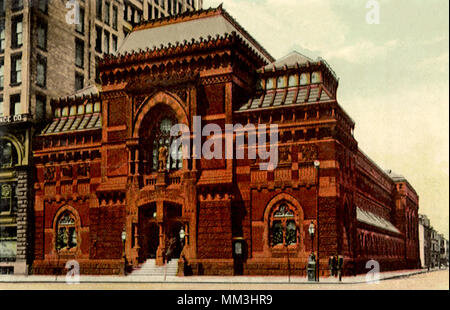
pixel 159 234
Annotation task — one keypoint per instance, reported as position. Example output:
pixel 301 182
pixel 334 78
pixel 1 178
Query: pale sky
pixel 393 77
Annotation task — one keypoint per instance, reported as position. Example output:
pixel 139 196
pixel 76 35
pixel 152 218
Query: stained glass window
pixel 162 139
pixel 283 226
pixel 66 232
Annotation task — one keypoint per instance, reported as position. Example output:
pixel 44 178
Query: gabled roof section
pixel 291 60
pixel 198 25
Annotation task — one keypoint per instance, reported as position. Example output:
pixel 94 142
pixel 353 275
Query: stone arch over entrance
pixel 161 98
pixel 154 119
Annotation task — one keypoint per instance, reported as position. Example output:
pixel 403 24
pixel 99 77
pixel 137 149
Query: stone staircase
pixel 149 269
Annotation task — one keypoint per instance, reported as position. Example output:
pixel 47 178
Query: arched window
pixel 66 238
pixel 283 227
pixel 162 139
pixel 8 154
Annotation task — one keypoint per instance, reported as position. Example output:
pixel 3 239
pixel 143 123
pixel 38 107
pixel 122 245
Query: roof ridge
pixel 200 14
pixel 178 18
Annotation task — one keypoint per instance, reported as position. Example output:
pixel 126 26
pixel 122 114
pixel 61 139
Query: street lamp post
pixel 288 260
pixel 124 238
pixel 317 166
pixel 311 231
pixel 182 236
pixel 311 234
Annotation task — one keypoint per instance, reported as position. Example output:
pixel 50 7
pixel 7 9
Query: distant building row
pixel 433 246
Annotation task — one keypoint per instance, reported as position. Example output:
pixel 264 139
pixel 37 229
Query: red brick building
pixel 97 164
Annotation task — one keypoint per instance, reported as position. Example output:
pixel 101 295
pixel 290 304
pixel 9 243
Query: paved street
pixel 434 280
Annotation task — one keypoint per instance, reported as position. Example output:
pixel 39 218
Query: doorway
pixel 152 234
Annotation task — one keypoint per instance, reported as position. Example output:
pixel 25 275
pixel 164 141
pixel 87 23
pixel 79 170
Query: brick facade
pixel 360 211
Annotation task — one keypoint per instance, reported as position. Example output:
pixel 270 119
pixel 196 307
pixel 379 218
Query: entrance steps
pixel 149 268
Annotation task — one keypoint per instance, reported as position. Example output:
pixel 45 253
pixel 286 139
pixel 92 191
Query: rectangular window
pixel 2 7
pixel 42 35
pixel 107 15
pixel 14 105
pixel 16 5
pixel 79 53
pixel 97 72
pixel 99 9
pixel 2 108
pixel 17 32
pixel 98 39
pixel 115 17
pixel 41 71
pixel 79 27
pixel 43 6
pixel 79 81
pixel 2 36
pixel 16 69
pixel 114 43
pixel 40 107
pixel 2 72
pixel 106 43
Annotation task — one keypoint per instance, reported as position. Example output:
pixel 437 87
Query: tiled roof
pixel 374 220
pixel 288 97
pixel 74 123
pixel 290 61
pixel 190 26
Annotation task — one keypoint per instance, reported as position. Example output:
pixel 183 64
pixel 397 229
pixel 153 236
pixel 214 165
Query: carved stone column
pixel 162 244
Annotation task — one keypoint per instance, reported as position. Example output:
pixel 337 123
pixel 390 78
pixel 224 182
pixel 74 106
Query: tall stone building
pixel 49 48
pixel 109 196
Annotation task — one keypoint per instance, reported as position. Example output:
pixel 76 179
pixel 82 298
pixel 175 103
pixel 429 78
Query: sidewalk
pixel 209 279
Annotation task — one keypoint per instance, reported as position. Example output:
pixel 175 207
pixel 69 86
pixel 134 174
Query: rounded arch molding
pixel 78 228
pixel 283 197
pixel 170 100
pixel 19 147
pixel 66 208
pixel 275 202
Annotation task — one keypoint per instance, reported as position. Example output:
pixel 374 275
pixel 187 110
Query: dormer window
pixel 269 84
pixel 304 79
pixel 97 107
pixel 88 108
pixel 81 109
pixel 281 82
pixel 316 77
pixel 259 85
pixel 293 80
